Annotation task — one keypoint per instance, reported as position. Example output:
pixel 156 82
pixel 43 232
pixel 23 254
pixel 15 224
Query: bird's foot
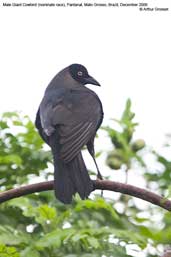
pixel 99 176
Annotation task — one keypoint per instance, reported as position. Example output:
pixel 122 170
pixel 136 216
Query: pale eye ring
pixel 80 73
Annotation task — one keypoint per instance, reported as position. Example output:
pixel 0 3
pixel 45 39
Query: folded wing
pixel 76 117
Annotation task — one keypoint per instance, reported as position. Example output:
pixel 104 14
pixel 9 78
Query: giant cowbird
pixel 67 119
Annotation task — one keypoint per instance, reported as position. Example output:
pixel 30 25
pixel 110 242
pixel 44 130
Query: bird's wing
pixel 77 118
pixel 79 136
pixel 39 127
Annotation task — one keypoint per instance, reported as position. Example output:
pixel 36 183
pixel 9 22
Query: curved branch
pixel 98 184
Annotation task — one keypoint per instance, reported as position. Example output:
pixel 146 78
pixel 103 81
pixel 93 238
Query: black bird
pixel 67 119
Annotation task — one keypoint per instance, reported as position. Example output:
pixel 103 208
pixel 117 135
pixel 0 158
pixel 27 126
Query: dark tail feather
pixel 79 176
pixel 63 185
pixel 70 178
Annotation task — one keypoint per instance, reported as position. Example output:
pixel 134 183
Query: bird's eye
pixel 80 73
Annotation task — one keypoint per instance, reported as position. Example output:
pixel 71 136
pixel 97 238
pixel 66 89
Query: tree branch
pixel 98 184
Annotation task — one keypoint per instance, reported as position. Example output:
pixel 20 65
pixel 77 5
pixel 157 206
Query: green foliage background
pixel 38 225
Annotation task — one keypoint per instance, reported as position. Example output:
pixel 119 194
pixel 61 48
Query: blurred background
pixel 128 52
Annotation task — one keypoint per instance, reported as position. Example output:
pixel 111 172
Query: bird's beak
pixel 91 80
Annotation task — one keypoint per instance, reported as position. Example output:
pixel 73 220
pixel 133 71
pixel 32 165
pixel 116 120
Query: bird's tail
pixel 71 178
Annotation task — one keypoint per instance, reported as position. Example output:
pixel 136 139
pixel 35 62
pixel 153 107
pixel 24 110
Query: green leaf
pixel 127 115
pixel 3 125
pixel 7 236
pixel 134 237
pixel 12 158
pixel 22 203
pixel 8 251
pixel 119 252
pixel 52 239
pixel 93 242
pixel 17 123
pixel 10 115
pixel 96 205
pixel 30 252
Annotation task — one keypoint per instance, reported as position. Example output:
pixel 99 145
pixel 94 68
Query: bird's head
pixel 80 74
